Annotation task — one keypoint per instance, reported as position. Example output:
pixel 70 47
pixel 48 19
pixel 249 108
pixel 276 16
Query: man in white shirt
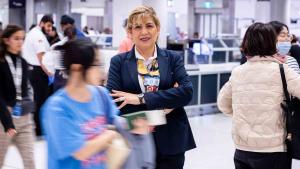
pixel 34 48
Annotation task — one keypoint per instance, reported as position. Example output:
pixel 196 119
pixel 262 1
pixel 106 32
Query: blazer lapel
pixel 163 64
pixel 132 69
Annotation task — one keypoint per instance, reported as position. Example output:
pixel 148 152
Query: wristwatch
pixel 141 98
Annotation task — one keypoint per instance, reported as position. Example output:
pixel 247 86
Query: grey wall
pixel 228 16
pixel 16 16
pixel 280 10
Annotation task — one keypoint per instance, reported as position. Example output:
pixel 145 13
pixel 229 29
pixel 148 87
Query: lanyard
pixel 16 74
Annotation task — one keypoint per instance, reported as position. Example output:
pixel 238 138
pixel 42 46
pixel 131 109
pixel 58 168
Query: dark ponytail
pixel 78 51
pixel 7 33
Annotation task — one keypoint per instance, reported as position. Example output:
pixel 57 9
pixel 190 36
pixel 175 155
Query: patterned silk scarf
pixel 149 72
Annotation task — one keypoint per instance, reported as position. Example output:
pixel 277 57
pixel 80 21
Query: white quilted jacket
pixel 252 96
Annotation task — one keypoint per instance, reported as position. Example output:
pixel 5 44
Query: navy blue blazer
pixel 176 136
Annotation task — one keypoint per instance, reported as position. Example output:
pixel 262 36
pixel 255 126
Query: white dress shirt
pixel 35 43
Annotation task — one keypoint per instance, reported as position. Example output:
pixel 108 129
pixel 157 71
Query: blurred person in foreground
pixel 14 90
pixel 144 79
pixel 253 97
pixel 75 118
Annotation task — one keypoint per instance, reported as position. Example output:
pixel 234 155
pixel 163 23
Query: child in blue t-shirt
pixel 75 118
pixel 70 125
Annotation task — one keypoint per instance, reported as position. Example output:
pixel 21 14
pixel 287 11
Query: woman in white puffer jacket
pixel 253 97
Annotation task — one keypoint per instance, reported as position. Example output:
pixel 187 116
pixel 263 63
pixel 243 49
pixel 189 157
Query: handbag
pixel 291 107
pixel 117 153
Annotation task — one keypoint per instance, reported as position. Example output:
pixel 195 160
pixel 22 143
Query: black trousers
pixel 254 160
pixel 170 161
pixel 39 81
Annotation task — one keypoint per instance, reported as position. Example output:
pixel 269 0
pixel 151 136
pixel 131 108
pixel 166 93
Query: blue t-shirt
pixel 68 124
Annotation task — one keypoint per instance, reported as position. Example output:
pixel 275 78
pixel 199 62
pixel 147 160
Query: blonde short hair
pixel 140 12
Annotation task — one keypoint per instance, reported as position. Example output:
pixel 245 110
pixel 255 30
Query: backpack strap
pixel 105 105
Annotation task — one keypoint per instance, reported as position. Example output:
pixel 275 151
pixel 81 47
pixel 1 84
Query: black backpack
pixel 291 107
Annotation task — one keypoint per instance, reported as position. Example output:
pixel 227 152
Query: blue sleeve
pixel 173 97
pixel 79 34
pixel 111 107
pixel 62 132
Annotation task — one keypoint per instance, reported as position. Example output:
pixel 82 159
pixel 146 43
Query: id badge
pixel 17 111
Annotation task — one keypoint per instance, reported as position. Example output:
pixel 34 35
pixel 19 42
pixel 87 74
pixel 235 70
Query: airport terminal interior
pixel 206 34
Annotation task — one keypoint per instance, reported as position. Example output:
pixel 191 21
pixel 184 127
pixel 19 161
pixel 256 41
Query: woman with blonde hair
pixel 144 79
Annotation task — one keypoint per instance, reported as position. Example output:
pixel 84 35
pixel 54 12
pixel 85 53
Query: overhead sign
pixel 17 3
pixel 208 4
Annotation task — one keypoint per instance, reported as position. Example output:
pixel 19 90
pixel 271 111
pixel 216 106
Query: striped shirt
pixel 292 63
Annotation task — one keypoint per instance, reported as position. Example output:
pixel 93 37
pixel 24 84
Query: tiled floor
pixel 212 134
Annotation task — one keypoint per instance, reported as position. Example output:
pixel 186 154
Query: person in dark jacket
pixel 14 90
pixel 144 79
pixel 295 49
pixel 67 21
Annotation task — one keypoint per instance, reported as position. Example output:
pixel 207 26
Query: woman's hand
pixel 11 132
pixel 126 98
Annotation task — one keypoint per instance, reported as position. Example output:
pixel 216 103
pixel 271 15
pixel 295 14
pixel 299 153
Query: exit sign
pixel 208 4
pixel 17 3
